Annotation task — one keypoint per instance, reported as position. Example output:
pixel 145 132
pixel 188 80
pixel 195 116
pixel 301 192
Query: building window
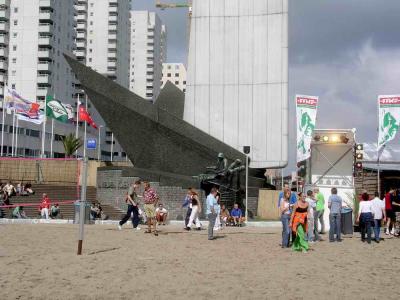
pixel 14 60
pixel 15 48
pixel 91 14
pixel 169 75
pixel 176 74
pixel 169 67
pixel 177 82
pixel 15 9
pixel 184 82
pixel 176 67
pixel 15 22
pixel 184 90
pixel 15 34
pixel 13 72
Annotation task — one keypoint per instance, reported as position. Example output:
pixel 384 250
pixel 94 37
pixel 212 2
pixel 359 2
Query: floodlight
pixel 359 147
pixel 359 156
pixel 335 139
pixel 317 138
pixel 325 138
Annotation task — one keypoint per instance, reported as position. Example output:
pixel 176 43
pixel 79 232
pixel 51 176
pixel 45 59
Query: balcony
pixel 4 27
pixel 46 16
pixel 4 39
pixel 80 53
pixel 81 35
pixel 4 15
pixel 46 29
pixel 3 78
pixel 112 64
pixel 45 42
pixel 113 9
pixel 45 55
pixel 81 18
pixel 3 52
pixel 44 80
pixel 5 3
pixel 80 45
pixel 112 18
pixel 80 8
pixel 81 26
pixel 44 68
pixel 46 4
pixel 112 55
pixel 41 92
pixel 112 27
pixel 3 65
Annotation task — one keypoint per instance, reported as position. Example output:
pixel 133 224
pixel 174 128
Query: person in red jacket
pixel 45 206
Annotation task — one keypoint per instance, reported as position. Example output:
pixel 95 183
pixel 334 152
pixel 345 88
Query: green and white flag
pixel 389 117
pixel 58 111
pixel 306 115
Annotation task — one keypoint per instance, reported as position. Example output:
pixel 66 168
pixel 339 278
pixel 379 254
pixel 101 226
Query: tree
pixel 71 144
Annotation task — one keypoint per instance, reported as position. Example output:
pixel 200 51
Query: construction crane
pixel 188 5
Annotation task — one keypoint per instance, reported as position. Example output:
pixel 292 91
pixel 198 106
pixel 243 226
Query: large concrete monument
pixel 237 87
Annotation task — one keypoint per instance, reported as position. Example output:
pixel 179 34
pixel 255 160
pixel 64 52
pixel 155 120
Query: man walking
pixel 150 199
pixel 211 212
pixel 378 210
pixel 319 212
pixel 132 199
pixel 335 206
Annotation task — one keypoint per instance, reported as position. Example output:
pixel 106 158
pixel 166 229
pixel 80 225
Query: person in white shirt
pixel 161 214
pixel 378 210
pixel 365 217
pixel 310 215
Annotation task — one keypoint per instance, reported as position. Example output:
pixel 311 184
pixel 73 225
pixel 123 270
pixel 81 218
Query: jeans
pixel 188 213
pixel 135 216
pixel 321 220
pixel 365 225
pixel 211 222
pixel 285 218
pixel 310 230
pixel 377 229
pixel 335 227
pixel 318 215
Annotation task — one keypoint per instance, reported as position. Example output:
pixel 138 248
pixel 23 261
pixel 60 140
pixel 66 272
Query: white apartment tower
pixel 176 74
pixel 148 53
pixel 4 34
pixel 102 43
pixel 102 39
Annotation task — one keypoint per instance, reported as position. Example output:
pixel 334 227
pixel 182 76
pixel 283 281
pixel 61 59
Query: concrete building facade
pixel 148 53
pixel 237 87
pixel 176 73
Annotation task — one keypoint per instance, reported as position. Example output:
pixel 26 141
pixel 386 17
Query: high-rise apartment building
pixel 148 53
pixel 4 34
pixel 176 74
pixel 102 43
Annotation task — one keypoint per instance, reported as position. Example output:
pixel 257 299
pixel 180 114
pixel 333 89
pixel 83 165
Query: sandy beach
pixel 40 262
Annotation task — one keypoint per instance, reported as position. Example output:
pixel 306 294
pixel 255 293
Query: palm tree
pixel 71 144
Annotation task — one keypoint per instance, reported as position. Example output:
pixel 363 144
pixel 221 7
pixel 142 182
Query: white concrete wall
pixel 238 76
pixel 178 75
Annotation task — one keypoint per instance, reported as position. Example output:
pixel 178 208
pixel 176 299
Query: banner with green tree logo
pixel 389 116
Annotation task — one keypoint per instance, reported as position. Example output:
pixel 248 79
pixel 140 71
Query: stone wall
pixel 112 188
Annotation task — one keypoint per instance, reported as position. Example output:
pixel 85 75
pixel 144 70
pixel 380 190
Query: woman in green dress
pixel 298 223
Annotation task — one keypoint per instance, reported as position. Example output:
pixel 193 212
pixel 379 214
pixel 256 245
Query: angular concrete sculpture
pixel 154 136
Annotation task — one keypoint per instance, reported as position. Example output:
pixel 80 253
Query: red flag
pixel 85 116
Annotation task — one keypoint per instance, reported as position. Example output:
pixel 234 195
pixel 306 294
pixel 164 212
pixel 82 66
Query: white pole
pixel 247 186
pixel 98 146
pixel 85 133
pixel 112 146
pixel 2 125
pixel 13 125
pixel 82 204
pixel 77 122
pixel 43 133
pixel 52 138
pixel 16 135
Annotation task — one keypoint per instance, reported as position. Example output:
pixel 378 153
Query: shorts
pixel 150 210
pixel 390 214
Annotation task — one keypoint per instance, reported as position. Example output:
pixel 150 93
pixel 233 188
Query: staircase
pixel 57 194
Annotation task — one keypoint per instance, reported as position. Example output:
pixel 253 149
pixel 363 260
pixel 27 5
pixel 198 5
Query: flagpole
pixel 85 134
pixel 112 146
pixel 13 125
pixel 2 122
pixel 77 123
pixel 16 135
pixel 52 138
pixel 44 128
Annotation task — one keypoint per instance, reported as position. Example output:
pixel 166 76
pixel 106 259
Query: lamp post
pixel 112 146
pixel 99 144
pixel 246 150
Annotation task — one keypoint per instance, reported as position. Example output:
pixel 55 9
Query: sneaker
pixel 392 232
pixel 187 228
pixel 387 231
pixel 137 228
pixel 198 228
pixel 119 227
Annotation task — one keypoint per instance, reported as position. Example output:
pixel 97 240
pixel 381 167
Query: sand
pixel 40 262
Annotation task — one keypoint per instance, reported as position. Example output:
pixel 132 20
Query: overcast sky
pixel 344 51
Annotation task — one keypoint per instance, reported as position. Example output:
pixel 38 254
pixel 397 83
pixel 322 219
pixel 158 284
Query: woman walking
pixel 285 218
pixel 298 224
pixel 365 217
pixel 196 210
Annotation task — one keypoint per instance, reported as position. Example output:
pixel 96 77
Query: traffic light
pixel 358 157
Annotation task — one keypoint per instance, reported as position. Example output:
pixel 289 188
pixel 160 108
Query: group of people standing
pixel 133 199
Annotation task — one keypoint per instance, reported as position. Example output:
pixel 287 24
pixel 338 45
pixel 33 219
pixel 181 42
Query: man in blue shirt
pixel 211 213
pixel 335 207
pixel 236 214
